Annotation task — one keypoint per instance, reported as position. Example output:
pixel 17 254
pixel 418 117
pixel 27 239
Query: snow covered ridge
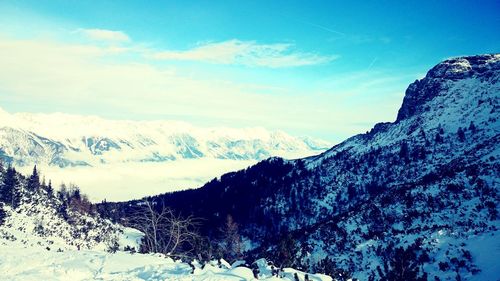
pixel 416 199
pixel 71 140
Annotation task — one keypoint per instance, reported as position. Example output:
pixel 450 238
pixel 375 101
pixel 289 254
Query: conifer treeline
pixel 14 188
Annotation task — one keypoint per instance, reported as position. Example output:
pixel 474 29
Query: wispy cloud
pixel 116 81
pixel 322 27
pixel 359 39
pixel 247 53
pixel 372 63
pixel 233 52
pixel 105 35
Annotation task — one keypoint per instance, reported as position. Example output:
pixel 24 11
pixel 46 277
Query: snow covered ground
pixel 36 243
pixel 486 249
pixel 35 263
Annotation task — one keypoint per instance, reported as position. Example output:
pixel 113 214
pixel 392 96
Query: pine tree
pixel 62 194
pixel 2 214
pixel 10 189
pixel 5 192
pixel 404 151
pixel 461 134
pixel 439 138
pixel 472 127
pixel 423 136
pixel 50 189
pixel 2 168
pixel 441 130
pixel 74 192
pixel 34 180
pixel 351 192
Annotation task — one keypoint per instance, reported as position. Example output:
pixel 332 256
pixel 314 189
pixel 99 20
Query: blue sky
pixel 327 69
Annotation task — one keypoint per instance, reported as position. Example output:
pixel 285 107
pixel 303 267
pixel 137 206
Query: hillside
pixel 57 235
pixel 413 199
pixel 35 215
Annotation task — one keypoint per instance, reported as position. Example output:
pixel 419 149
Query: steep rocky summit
pixel 440 77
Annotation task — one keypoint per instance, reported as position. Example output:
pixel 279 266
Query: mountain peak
pixel 463 67
pixel 440 77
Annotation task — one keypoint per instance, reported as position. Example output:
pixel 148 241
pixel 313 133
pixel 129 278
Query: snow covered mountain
pixel 416 199
pixel 69 140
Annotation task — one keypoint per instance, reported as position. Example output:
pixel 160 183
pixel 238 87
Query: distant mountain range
pixel 70 140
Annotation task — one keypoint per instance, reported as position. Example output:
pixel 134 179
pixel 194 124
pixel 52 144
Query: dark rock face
pixel 99 145
pixel 421 91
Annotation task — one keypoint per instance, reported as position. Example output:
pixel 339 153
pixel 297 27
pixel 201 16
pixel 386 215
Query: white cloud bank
pixel 230 52
pixel 126 181
pixel 247 53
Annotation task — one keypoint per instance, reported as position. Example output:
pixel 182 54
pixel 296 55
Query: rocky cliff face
pixel 440 77
pixel 417 198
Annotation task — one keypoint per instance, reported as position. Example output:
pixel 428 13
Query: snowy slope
pixel 42 220
pixel 422 190
pixel 417 178
pixel 27 264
